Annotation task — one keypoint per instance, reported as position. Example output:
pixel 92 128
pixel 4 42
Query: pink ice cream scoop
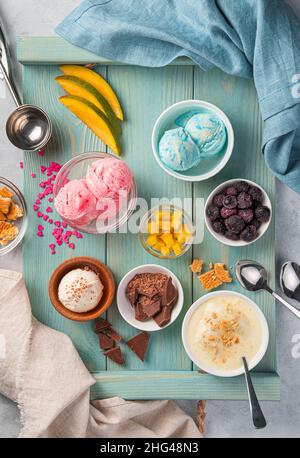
pixel 107 177
pixel 76 203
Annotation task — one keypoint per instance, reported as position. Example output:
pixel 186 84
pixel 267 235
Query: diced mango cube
pixel 168 239
pixel 180 237
pixel 158 246
pixel 177 248
pixel 165 250
pixel 152 240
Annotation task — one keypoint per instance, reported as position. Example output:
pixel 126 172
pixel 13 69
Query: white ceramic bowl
pixel 221 238
pixel 213 371
pixel 126 309
pixel 207 167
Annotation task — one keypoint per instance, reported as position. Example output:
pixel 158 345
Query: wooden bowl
pixel 105 276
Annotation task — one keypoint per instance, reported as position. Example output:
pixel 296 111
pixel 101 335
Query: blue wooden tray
pixel 144 93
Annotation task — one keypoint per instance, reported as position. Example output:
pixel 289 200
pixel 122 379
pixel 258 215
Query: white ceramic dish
pixel 207 167
pixel 221 238
pixel 126 309
pixel 213 371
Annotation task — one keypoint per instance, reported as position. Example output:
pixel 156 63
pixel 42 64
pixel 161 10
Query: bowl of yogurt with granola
pixel 222 327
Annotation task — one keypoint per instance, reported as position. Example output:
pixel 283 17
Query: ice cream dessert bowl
pixel 222 327
pixel 81 288
pixel 192 140
pixel 95 192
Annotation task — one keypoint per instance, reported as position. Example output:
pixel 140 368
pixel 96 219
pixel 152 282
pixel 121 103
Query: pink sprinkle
pixel 45 217
pixel 64 224
pixel 40 227
pixel 53 252
pixel 50 221
pixel 43 168
pixel 41 196
pixel 41 152
pixel 59 242
pixel 42 184
pixel 50 199
pixel 40 234
pixel 72 246
pixel 57 223
pixel 79 236
pixel 33 175
pixel 69 233
pixel 35 208
pixel 49 210
pixel 52 246
pixel 39 214
pixel 21 165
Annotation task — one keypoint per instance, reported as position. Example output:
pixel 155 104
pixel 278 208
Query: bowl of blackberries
pixel 238 212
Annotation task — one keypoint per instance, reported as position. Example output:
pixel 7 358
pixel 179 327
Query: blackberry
pixel 256 194
pixel 262 214
pixel 235 224
pixel 218 200
pixel 213 213
pixel 246 214
pixel 244 200
pixel 242 186
pixel 230 202
pixel 256 223
pixel 249 233
pixel 226 212
pixel 231 191
pixel 218 226
pixel 231 235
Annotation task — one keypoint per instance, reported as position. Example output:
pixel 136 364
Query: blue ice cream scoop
pixel 178 151
pixel 208 132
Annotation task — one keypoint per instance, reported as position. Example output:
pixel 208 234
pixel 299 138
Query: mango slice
pixel 98 82
pixel 76 86
pixel 94 118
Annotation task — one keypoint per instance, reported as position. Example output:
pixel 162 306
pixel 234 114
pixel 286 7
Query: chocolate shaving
pixel 139 344
pixel 105 342
pixel 115 355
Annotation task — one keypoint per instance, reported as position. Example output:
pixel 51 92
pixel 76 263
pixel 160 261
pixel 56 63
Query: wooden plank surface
pixel 144 93
pixel 182 385
pixel 55 50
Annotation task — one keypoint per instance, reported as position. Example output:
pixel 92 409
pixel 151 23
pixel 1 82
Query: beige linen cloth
pixel 41 370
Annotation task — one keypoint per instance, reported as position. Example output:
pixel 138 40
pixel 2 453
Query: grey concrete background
pixel 224 419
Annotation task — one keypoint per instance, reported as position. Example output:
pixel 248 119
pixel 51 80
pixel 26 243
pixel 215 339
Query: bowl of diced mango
pixel 167 231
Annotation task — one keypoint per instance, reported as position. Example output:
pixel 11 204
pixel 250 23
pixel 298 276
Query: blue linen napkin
pixel 248 38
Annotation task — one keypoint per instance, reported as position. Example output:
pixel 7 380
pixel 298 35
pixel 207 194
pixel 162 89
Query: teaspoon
pixel 290 280
pixel 258 418
pixel 253 277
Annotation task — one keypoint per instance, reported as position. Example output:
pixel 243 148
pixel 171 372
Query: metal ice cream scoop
pixel 28 127
pixel 253 277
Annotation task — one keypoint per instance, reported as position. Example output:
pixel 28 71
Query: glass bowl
pixel 77 168
pixel 20 223
pixel 167 231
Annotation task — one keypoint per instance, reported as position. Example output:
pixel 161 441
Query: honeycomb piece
pixel 8 232
pixel 5 192
pixel 5 203
pixel 197 266
pixel 2 217
pixel 222 274
pixel 209 280
pixel 15 212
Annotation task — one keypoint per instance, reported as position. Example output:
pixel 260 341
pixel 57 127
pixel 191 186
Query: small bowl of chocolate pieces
pixel 150 297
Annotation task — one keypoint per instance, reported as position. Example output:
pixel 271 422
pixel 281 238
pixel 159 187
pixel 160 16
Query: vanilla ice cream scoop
pixel 80 290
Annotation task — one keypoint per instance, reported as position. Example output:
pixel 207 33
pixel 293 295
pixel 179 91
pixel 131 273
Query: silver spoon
pixel 290 280
pixel 28 127
pixel 257 415
pixel 253 277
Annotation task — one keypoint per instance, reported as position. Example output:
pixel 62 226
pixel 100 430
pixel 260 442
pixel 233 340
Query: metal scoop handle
pixel 10 85
pixel 4 66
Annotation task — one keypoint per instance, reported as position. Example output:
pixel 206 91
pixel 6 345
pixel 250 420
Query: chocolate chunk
pixel 115 355
pixel 132 295
pixel 164 316
pixel 100 325
pixel 169 294
pixel 139 344
pixel 147 290
pixel 105 342
pixel 110 332
pixel 140 315
pixel 150 306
